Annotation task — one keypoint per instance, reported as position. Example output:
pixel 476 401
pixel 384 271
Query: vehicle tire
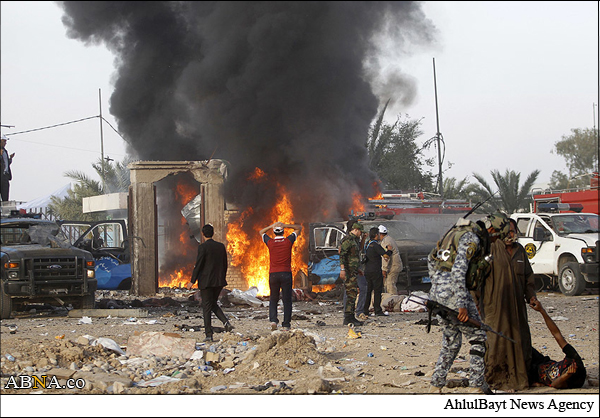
pixel 5 303
pixel 570 279
pixel 88 302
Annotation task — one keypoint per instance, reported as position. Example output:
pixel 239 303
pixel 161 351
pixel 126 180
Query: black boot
pixel 351 319
pixel 228 327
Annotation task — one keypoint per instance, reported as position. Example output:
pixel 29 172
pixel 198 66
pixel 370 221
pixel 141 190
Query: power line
pixel 52 126
pixel 68 123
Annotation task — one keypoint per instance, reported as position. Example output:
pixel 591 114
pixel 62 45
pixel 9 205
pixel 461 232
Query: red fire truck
pixel 572 200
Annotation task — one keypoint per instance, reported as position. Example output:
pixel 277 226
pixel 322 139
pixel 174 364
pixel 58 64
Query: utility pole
pixel 102 143
pixel 594 105
pixel 438 135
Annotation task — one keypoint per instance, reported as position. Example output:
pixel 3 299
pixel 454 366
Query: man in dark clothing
pixel 5 172
pixel 210 271
pixel 568 373
pixel 280 271
pixel 373 271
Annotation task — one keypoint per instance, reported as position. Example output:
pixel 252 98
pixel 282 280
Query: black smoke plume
pixel 288 87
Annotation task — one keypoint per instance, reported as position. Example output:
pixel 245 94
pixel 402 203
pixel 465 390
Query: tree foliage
pixel 395 156
pixel 456 189
pixel 116 179
pixel 511 197
pixel 580 151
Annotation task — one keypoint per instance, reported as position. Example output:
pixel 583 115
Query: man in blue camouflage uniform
pixel 448 287
pixel 349 270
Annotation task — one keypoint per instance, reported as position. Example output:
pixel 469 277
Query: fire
pixel 180 276
pixel 250 253
pixel 257 175
pixel 378 195
pixel 357 202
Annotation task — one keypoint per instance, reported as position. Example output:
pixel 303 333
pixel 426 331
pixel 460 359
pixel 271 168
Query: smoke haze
pixel 289 87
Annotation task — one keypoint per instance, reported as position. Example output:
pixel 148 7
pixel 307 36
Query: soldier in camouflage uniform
pixel 349 261
pixel 448 287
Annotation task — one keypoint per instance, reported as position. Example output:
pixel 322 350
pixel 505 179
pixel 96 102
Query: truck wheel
pixel 5 303
pixel 88 302
pixel 570 279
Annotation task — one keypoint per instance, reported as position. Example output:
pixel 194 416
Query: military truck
pixel 39 265
pixel 561 247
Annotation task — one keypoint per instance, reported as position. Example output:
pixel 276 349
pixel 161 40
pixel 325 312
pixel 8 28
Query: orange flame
pixel 184 193
pixel 357 202
pixel 257 175
pixel 378 195
pixel 250 253
pixel 178 278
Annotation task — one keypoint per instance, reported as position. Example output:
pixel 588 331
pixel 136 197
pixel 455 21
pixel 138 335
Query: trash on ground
pixel 160 344
pixel 108 344
pixel 352 334
pixel 157 381
pixel 85 320
pixel 237 297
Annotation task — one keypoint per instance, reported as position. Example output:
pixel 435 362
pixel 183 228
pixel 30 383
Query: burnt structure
pixel 143 213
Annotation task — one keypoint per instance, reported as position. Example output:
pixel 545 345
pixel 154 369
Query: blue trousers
pixel 281 281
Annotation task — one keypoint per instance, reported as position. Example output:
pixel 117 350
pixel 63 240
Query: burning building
pixel 284 91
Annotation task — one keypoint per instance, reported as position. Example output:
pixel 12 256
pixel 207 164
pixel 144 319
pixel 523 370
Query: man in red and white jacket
pixel 280 270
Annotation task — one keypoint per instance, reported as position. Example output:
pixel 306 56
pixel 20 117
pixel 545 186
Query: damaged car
pixel 414 247
pixel 108 243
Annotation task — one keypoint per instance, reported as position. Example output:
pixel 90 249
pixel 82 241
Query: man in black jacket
pixel 373 271
pixel 210 271
pixel 5 172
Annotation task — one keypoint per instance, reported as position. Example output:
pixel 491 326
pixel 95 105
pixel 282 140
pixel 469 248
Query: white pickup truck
pixel 562 247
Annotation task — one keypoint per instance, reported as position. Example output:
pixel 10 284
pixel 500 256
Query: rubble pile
pixel 163 352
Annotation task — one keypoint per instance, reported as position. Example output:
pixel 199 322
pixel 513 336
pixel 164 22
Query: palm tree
pixel 512 198
pixel 116 180
pixel 455 189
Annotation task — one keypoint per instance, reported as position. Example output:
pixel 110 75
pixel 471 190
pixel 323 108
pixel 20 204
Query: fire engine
pixel 584 198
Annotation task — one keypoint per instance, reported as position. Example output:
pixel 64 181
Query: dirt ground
pixel 392 354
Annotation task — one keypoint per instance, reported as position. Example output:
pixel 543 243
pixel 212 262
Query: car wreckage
pixel 413 245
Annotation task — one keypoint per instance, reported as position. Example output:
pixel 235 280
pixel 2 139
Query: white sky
pixel 512 77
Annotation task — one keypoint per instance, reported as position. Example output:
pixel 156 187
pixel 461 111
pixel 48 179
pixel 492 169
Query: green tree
pixel 580 151
pixel 71 208
pixel 511 198
pixel 456 189
pixel 395 156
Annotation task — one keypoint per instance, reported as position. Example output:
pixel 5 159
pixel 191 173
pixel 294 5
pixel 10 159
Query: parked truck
pixel 562 247
pixel 39 265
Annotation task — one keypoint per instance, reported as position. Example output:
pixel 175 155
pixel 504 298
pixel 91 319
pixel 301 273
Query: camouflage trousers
pixel 351 285
pixel 452 333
